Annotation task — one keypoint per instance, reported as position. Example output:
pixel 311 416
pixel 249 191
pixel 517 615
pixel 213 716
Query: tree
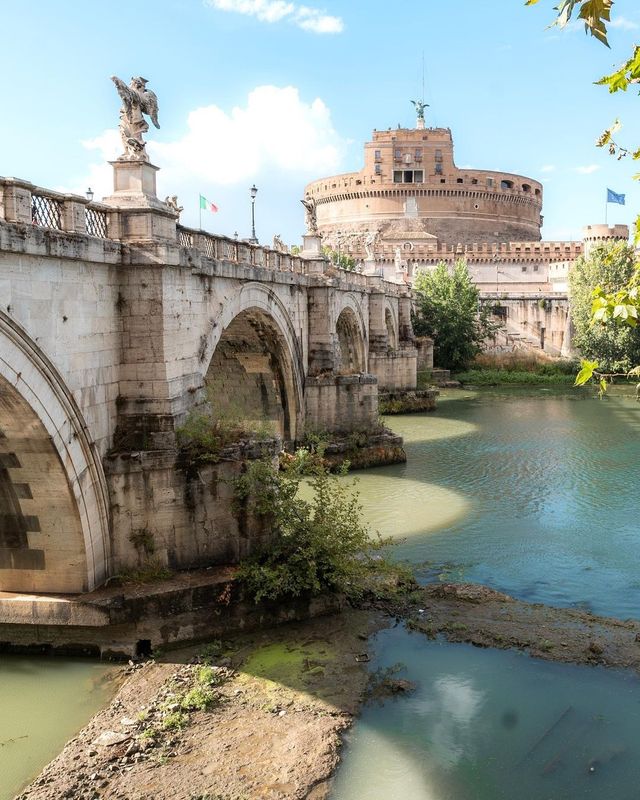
pixel 339 259
pixel 448 310
pixel 609 266
pixel 618 305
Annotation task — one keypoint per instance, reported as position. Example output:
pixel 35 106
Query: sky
pixel 277 93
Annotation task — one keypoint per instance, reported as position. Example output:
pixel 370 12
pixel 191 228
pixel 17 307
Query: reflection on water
pixel 493 725
pixel 43 703
pixel 534 493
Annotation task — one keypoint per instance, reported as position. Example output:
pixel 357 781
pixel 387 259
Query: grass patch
pixel 501 377
pixel 518 369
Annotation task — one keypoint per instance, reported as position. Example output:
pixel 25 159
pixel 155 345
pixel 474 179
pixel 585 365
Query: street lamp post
pixel 253 191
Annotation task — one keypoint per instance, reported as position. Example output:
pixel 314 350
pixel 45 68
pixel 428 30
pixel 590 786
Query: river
pixel 43 703
pixel 534 493
pixel 531 492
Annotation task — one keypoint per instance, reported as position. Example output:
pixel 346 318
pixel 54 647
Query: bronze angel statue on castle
pixel 137 101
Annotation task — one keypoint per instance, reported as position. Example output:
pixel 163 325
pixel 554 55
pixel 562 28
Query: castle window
pixel 506 184
pixel 418 153
pixel 537 192
pixel 418 176
pixel 378 155
pixel 378 169
pixel 438 155
pixel 397 176
pixel 459 180
pixel 408 176
pixel 398 154
pixel 526 187
pixel 438 169
pixel 490 182
pixel 524 269
pixel 474 181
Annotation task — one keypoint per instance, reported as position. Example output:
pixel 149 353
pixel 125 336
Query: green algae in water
pixel 291 665
pixel 493 725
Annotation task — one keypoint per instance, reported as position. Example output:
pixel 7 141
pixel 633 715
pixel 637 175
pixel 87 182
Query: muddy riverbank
pixel 265 718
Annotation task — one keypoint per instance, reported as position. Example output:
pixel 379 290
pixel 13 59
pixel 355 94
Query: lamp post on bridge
pixel 253 191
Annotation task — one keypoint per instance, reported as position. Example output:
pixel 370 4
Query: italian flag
pixel 207 206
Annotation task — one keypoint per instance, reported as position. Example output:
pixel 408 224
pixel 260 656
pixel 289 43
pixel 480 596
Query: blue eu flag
pixel 612 197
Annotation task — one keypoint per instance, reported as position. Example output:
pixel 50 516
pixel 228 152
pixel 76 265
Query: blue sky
pixel 279 93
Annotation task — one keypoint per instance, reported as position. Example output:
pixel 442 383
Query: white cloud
pixel 275 128
pixel 305 17
pixel 276 139
pixel 548 168
pixel 624 23
pixel 587 169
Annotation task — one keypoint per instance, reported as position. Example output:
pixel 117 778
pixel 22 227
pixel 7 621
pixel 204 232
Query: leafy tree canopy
pixel 339 259
pixel 448 310
pixel 608 267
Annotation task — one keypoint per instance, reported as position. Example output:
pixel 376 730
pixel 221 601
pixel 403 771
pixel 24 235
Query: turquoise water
pixel 535 494
pixel 43 703
pixel 493 725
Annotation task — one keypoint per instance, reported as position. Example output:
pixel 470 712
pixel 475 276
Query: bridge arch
pixel 351 341
pixel 54 519
pixel 255 370
pixel 391 323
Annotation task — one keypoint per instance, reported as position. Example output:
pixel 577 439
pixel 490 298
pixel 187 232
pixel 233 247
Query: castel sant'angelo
pixel 411 207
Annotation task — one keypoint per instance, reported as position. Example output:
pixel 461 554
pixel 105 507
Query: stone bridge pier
pixel 120 330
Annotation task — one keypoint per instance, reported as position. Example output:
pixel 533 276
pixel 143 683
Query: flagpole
pixel 606 210
pixel 200 211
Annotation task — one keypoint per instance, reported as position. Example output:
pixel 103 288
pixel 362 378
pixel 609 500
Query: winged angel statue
pixel 137 101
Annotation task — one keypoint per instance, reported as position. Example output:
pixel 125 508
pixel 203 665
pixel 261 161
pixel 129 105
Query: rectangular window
pixel 418 176
pixel 408 176
pixel 378 169
pixel 489 182
pixel 378 155
pixel 398 154
pixel 418 153
pixel 524 269
pixel 397 176
pixel 438 169
pixel 438 155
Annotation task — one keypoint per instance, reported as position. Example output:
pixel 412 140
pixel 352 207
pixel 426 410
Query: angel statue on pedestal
pixel 137 101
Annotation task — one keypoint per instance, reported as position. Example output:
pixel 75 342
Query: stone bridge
pixel 117 325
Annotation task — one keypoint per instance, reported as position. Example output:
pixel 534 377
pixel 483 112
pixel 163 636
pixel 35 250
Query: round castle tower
pixel 410 194
pixel 593 235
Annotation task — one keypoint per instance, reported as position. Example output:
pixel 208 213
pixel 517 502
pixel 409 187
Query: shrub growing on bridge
pixel 319 544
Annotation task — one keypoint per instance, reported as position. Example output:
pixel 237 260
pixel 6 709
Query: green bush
pixel 318 545
pixel 498 377
pixel 608 267
pixel 448 310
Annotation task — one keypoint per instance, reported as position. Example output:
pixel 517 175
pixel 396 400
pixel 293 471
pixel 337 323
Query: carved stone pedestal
pixel 134 192
pixel 134 184
pixel 311 245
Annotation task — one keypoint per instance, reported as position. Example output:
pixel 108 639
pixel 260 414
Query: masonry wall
pixel 63 290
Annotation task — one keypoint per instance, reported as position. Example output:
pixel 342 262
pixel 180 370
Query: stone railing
pixel 224 248
pixel 22 202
